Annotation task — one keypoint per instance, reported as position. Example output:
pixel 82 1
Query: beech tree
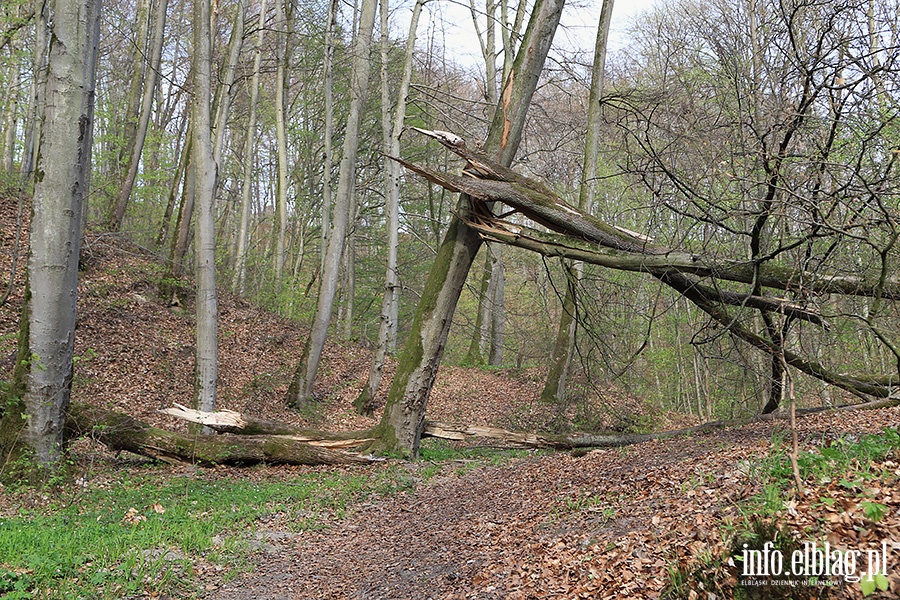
pixel 204 183
pixel 60 187
pixel 301 388
pixel 401 425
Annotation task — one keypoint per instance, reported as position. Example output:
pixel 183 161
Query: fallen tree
pixel 236 423
pixel 579 235
pixel 118 431
pixel 243 440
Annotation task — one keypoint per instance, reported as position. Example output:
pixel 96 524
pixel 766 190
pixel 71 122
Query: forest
pixel 692 228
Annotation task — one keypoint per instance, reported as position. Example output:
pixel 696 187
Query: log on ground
pixel 119 431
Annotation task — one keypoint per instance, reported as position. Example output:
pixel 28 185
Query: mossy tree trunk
pixel 401 425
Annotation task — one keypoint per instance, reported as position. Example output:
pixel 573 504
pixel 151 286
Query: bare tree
pixel 301 388
pixel 56 227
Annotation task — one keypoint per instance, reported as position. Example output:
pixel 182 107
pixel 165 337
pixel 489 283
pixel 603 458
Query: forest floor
pixel 614 523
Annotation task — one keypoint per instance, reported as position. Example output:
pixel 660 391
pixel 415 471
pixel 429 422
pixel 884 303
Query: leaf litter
pixel 609 524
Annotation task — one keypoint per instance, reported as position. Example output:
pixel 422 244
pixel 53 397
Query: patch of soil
pixel 606 525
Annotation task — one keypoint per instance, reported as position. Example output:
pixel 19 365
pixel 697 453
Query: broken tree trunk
pixel 236 423
pixel 581 236
pixel 119 431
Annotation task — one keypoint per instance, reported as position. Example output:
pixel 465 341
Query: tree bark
pixel 204 170
pixel 56 227
pixel 301 388
pixel 118 431
pixel 401 424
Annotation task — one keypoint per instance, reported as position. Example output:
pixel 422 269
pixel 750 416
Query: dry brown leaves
pixel 606 525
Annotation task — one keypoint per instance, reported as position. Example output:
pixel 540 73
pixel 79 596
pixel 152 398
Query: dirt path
pixel 605 525
pixel 552 527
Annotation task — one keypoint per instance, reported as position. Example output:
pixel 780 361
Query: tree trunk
pixel 204 170
pixel 401 425
pixel 226 82
pixel 128 125
pixel 497 304
pixel 38 90
pixel 10 119
pixel 281 136
pixel 140 134
pixel 387 328
pixel 172 196
pixel 557 376
pixel 475 354
pixel 301 389
pixel 328 134
pixel 56 226
pixel 119 432
pixel 249 163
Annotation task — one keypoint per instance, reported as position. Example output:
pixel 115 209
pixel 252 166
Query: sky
pixel 451 22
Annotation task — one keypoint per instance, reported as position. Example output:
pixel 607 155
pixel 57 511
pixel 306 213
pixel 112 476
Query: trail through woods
pixel 605 525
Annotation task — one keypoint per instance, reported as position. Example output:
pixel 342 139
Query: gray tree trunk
pixel 561 358
pixel 56 227
pixel 140 134
pixel 401 425
pixel 387 329
pixel 204 170
pixel 301 389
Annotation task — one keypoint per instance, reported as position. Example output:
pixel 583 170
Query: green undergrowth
pixel 140 531
pixel 846 467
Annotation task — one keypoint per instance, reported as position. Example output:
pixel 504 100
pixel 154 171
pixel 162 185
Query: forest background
pixel 766 142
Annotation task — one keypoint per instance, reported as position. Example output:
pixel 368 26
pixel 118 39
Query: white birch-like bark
pixel 204 172
pixel 61 177
pixel 301 390
pixel 240 255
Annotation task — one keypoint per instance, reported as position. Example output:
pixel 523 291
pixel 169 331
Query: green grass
pixel 140 530
pixel 854 463
pixel 147 532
